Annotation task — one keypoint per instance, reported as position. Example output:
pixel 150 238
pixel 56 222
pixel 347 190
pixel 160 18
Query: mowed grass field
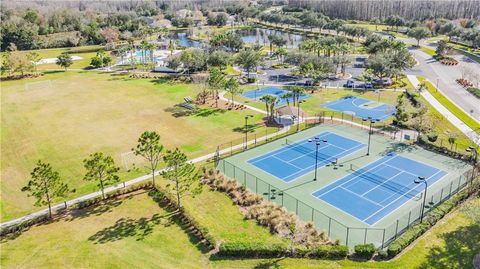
pixel 130 233
pixel 137 233
pixel 81 112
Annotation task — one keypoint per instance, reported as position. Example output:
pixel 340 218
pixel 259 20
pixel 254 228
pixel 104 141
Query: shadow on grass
pixel 250 127
pixel 177 111
pixel 127 227
pixel 461 246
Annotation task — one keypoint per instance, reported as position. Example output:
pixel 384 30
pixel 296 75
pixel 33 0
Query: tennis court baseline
pixel 372 192
pixel 298 158
pixel 362 108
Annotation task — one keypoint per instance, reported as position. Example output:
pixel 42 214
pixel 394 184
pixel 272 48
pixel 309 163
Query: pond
pixel 260 36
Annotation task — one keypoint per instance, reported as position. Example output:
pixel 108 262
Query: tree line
pixel 46 184
pixel 381 9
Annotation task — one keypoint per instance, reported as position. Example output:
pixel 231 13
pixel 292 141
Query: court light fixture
pixel 420 180
pixel 317 141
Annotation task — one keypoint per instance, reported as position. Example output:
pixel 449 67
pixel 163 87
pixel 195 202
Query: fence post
pixel 346 241
pixel 365 238
pixel 312 212
pixel 244 178
pixel 396 230
pixel 256 184
pixel 383 237
pixel 223 161
pixel 329 225
pixel 409 215
pixel 451 185
pixel 296 206
pixel 124 183
pixel 231 148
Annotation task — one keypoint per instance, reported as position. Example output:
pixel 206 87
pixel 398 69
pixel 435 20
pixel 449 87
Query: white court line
pixel 412 189
pixel 286 148
pixel 334 156
pixel 361 197
pixel 275 157
pixel 355 177
pixel 390 178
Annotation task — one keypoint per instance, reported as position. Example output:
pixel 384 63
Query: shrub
pixel 330 251
pixel 252 249
pixel 432 137
pixel 365 251
pixel 474 91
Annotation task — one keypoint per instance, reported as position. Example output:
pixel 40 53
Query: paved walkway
pixel 446 113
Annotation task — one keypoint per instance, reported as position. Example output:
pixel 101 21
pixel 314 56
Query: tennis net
pixel 297 146
pixel 385 182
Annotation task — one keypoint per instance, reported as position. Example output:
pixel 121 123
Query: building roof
pixel 290 111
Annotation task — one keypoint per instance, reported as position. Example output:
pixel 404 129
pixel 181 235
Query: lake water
pixel 249 36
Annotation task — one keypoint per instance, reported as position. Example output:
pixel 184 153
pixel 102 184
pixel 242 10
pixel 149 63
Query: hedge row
pixel 430 219
pixel 167 200
pixel 19 227
pixel 261 250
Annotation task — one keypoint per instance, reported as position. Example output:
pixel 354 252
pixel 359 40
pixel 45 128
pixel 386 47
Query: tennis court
pixel 372 192
pixel 362 108
pixel 297 158
pixel 278 92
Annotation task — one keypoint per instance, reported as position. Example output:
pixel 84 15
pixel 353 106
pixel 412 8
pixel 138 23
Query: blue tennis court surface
pixel 362 108
pixel 258 93
pixel 297 159
pixel 372 192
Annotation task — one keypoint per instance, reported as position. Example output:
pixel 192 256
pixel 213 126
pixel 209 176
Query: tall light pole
pixel 372 121
pixel 418 181
pixel 246 129
pixel 298 113
pixel 317 143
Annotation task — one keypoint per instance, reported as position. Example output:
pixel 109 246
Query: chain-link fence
pixel 335 229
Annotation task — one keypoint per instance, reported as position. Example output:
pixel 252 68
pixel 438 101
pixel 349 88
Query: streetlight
pixel 298 113
pixel 418 181
pixel 369 132
pixel 317 143
pixel 246 128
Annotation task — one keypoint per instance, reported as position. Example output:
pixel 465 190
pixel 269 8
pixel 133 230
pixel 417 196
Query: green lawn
pixel 129 233
pixel 428 51
pixel 135 232
pixel 86 111
pixel 451 106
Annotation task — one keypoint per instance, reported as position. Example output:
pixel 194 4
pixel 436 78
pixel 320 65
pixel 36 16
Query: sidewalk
pixel 446 113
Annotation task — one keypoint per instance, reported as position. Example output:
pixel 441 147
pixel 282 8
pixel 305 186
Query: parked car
pixel 350 84
pixel 368 85
pixel 309 83
pixel 383 82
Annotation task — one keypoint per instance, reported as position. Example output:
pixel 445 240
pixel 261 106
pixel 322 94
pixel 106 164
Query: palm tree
pixel 270 101
pixel 296 92
pixel 131 48
pixel 287 97
pixel 151 47
pixel 143 47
